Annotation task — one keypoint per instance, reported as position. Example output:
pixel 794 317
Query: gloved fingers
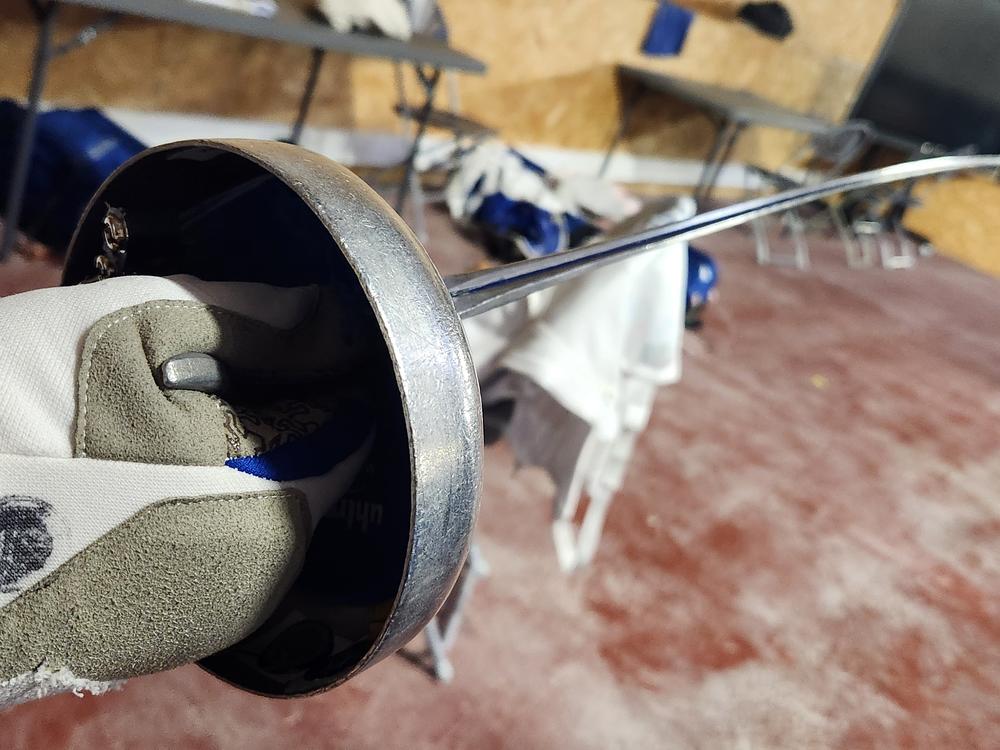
pixel 143 527
pixel 176 582
pixel 38 384
pixel 77 502
pixel 290 376
pixel 320 455
pixel 93 389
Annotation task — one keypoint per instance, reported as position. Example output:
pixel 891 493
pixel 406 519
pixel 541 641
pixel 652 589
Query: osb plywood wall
pixel 961 217
pixel 159 66
pixel 551 78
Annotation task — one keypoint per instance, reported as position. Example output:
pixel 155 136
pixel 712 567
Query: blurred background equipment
pixel 769 18
pixel 263 8
pixel 679 564
pixel 935 80
pixel 291 25
pixel 74 152
pixel 388 17
pixel 522 211
pixel 732 112
pixel 826 155
pixel 667 30
pixel 671 22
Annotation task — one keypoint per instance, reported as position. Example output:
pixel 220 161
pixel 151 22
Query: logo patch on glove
pixel 25 541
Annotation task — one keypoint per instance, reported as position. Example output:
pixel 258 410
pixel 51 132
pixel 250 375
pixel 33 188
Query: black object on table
pixel 289 25
pixel 733 111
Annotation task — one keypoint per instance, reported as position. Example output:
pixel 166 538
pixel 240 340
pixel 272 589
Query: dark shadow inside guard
pixel 222 217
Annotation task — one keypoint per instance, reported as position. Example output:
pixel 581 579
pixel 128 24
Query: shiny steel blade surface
pixel 478 292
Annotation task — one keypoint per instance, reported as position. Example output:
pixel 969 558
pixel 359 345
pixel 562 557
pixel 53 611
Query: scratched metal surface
pixel 434 372
pixel 426 344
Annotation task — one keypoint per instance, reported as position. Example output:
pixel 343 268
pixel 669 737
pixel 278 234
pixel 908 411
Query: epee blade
pixel 477 292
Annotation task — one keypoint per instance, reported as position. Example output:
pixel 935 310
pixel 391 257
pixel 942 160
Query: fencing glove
pixel 146 524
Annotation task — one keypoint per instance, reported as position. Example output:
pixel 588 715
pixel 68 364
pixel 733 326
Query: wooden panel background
pixel 961 217
pixel 551 77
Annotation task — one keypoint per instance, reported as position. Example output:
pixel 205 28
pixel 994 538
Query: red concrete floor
pixel 805 555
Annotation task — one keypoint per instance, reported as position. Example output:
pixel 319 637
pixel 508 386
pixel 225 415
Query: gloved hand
pixel 144 527
pixel 387 16
pixel 770 18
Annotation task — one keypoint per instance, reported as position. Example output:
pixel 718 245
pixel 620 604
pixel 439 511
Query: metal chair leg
pixel 589 536
pixel 904 256
pixel 797 229
pixel 443 668
pixel 44 52
pixel 761 241
pixel 800 247
pixel 418 208
pixel 565 535
pixel 564 529
pixel 442 632
pixel 315 63
pixel 858 255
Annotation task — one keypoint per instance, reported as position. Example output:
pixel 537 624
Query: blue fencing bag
pixel 74 152
pixel 668 30
pixel 538 231
pixel 703 275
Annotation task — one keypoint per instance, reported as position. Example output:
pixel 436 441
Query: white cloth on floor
pixel 492 167
pixel 582 362
pixel 578 340
pixel 598 197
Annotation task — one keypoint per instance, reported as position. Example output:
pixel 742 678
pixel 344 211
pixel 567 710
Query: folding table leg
pixel 628 105
pixel 418 205
pixel 718 155
pixel 47 16
pixel 430 83
pixel 857 254
pixel 315 63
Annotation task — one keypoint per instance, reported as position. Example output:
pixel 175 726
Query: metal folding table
pixel 732 110
pixel 290 25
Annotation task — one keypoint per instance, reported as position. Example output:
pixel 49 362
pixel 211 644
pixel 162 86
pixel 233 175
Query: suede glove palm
pixel 142 528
